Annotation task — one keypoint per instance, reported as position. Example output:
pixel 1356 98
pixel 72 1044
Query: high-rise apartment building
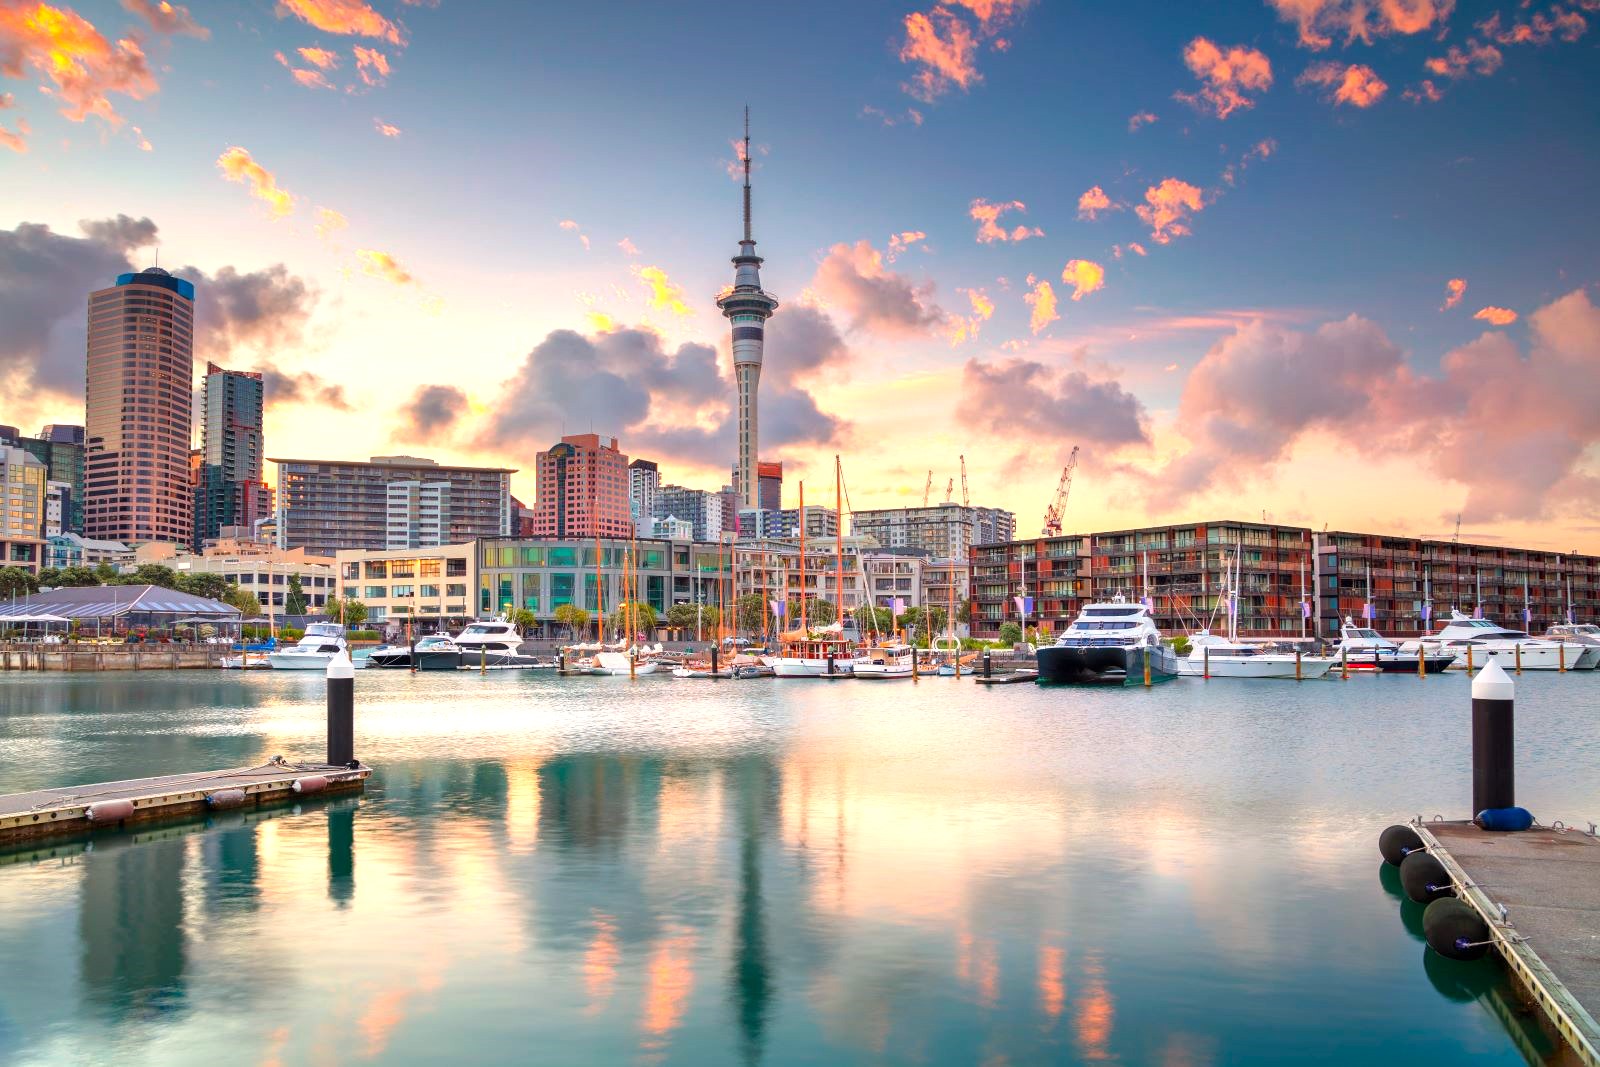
pixel 582 489
pixel 700 507
pixel 644 482
pixel 325 506
pixel 138 402
pixel 769 486
pixel 22 509
pixel 60 449
pixel 944 531
pixel 229 490
pixel 418 514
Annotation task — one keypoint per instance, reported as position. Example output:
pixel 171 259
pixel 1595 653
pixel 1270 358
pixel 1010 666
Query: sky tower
pixel 747 306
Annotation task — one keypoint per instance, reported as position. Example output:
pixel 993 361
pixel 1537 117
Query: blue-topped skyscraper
pixel 748 307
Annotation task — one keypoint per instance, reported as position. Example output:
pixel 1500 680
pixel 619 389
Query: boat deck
pixel 1549 884
pixel 51 812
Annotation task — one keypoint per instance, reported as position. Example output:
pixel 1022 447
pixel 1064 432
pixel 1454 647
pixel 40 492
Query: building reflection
pixel 130 925
pixel 751 982
pixel 342 852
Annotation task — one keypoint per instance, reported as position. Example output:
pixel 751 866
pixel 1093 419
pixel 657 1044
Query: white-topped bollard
pixel 341 711
pixel 1493 736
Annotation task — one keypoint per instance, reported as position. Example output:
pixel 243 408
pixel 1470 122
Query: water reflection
pixel 901 881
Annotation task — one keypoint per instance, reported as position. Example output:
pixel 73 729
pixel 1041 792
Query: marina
pixel 685 867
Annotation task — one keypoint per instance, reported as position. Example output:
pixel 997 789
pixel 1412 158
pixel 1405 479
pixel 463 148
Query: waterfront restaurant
pixel 109 610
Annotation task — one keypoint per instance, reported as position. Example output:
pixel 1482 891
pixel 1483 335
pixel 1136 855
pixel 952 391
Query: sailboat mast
pixel 838 543
pixel 1302 597
pixel 803 627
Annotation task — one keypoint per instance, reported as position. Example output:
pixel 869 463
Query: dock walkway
pixel 1549 885
pixel 50 812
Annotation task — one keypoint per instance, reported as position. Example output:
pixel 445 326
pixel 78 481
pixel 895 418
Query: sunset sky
pixel 1334 261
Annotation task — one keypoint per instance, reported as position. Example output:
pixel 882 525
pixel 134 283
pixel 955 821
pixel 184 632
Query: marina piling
pixel 1493 721
pixel 1297 675
pixel 341 711
pixel 715 666
pixel 988 664
pixel 1205 659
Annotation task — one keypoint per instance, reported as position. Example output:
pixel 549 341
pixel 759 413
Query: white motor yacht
pixel 1219 657
pixel 1474 642
pixel 1107 644
pixel 1582 633
pixel 885 661
pixel 1361 648
pixel 489 641
pixel 321 642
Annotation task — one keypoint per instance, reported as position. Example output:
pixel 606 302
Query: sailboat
pixel 1211 656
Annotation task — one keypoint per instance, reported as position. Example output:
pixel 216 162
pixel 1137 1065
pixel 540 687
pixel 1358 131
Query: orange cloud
pixel 329 222
pixel 1568 25
pixel 385 128
pixel 351 18
pixel 1227 76
pixel 1355 84
pixel 82 67
pixel 665 295
pixel 1423 91
pixel 321 58
pixel 1476 58
pixel 16 140
pixel 1042 299
pixel 992 14
pixel 1141 118
pixel 899 242
pixel 947 51
pixel 383 266
pixel 1496 316
pixel 1168 207
pixel 989 229
pixel 1133 247
pixel 1085 276
pixel 167 18
pixel 372 65
pixel 1454 290
pixel 570 224
pixel 237 166
pixel 1319 21
pixel 1095 201
pixel 308 77
pixel 960 329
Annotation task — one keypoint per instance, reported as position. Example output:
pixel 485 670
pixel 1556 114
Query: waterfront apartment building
pixel 944 531
pixel 228 485
pixel 266 571
pixel 758 523
pixel 22 510
pixel 644 483
pixel 325 506
pixel 700 507
pixel 138 407
pixel 1412 584
pixel 60 449
pixel 1291 582
pixel 582 489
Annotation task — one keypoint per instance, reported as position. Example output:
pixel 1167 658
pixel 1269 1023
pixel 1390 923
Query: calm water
pixel 597 871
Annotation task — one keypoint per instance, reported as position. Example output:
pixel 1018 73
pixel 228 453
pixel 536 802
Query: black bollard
pixel 830 664
pixel 715 661
pixel 988 664
pixel 1493 770
pixel 561 661
pixel 341 711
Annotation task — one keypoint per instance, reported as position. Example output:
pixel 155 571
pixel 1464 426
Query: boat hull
pixel 797 667
pixel 1270 666
pixel 883 671
pixel 315 662
pixel 1103 665
pixel 1532 659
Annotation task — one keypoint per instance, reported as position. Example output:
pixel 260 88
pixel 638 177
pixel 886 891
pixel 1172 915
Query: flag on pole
pixel 1477 611
pixel 1366 611
pixel 1427 611
pixel 1024 604
pixel 1527 616
pixel 1149 605
pixel 1305 609
pixel 899 605
pixel 778 607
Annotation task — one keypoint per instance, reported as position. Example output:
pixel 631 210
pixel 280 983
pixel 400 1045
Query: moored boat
pixel 1108 644
pixel 1363 648
pixel 885 662
pixel 1585 634
pixel 315 649
pixel 1474 642
pixel 820 652
pixel 1211 656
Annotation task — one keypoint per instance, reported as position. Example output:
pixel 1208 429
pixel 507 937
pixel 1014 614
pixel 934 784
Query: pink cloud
pixel 166 18
pixel 944 47
pixel 1354 84
pixel 351 18
pixel 1477 58
pixel 1024 396
pixel 385 128
pixel 1496 316
pixel 899 242
pixel 1094 202
pixel 1140 118
pixel 1041 301
pixel 854 279
pixel 1320 21
pixel 1454 290
pixel 1085 276
pixel 74 62
pixel 987 216
pixel 1168 208
pixel 372 65
pixel 1540 29
pixel 1227 77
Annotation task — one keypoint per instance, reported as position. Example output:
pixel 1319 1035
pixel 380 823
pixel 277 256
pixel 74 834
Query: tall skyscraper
pixel 229 490
pixel 582 489
pixel 747 306
pixel 644 482
pixel 769 486
pixel 138 401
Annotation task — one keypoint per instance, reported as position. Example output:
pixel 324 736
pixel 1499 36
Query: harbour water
pixel 593 870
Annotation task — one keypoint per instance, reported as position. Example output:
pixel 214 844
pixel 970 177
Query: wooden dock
pixel 117 805
pixel 1016 677
pixel 1539 891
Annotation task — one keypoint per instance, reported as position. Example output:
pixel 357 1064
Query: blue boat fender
pixel 1504 819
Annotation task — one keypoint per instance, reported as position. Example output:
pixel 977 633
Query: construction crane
pixel 949 490
pixel 965 502
pixel 927 490
pixel 1052 514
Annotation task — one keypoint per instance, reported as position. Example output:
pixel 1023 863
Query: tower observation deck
pixel 747 308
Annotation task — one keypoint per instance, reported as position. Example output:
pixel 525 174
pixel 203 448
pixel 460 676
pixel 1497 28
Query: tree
pixel 873 620
pixel 76 576
pixel 523 619
pixel 295 602
pixel 928 620
pixel 247 603
pixel 14 581
pixel 819 612
pixel 210 586
pixel 1010 633
pixel 49 578
pixel 355 612
pixel 683 617
pixel 751 613
pixel 151 574
pixel 643 615
pixel 105 573
pixel 572 617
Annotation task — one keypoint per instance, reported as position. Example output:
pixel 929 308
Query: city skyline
pixel 1271 265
